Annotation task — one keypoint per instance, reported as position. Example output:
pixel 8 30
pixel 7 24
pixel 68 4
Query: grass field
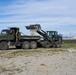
pixel 68 45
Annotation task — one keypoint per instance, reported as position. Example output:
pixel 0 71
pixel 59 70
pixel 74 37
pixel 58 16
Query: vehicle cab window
pixel 4 32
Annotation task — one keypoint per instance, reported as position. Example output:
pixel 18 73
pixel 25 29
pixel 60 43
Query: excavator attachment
pixel 47 40
pixel 35 27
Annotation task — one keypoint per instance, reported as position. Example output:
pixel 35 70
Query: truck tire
pixel 4 45
pixel 33 45
pixel 60 40
pixel 57 45
pixel 25 45
pixel 46 44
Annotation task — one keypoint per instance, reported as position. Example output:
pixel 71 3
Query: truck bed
pixel 30 37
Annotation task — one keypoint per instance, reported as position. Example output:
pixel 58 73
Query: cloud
pixel 53 13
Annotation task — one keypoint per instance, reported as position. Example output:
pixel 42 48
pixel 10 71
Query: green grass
pixel 68 45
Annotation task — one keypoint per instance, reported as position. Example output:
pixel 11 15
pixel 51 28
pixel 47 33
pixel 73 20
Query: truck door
pixel 11 35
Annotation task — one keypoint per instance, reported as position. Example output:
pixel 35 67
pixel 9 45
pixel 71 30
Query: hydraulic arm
pixel 38 29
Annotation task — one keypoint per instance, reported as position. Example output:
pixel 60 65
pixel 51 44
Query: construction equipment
pixel 50 38
pixel 8 38
pixel 12 37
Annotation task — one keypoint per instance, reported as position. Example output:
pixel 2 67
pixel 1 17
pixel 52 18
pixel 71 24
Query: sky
pixel 57 15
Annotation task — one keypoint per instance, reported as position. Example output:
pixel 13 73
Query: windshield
pixel 51 33
pixel 4 32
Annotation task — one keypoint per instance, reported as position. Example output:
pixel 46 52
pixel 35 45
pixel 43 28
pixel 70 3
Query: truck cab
pixel 8 36
pixel 54 35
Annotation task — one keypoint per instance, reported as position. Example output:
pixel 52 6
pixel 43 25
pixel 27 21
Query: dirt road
pixel 38 62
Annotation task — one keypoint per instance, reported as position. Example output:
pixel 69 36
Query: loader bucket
pixel 35 27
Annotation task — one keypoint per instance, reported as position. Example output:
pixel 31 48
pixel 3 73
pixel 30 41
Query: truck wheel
pixel 60 40
pixel 18 47
pixel 57 45
pixel 33 45
pixel 4 46
pixel 25 45
pixel 46 44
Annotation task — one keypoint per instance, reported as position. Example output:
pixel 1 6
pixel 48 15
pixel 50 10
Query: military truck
pixel 8 38
pixel 12 37
pixel 49 38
